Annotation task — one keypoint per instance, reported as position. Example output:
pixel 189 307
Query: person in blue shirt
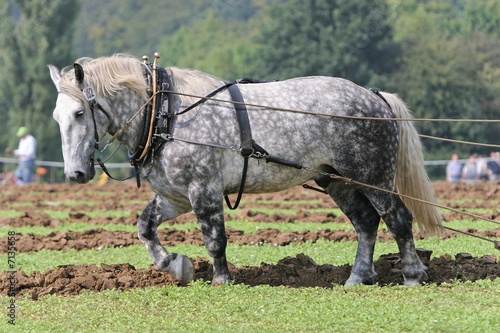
pixel 454 169
pixel 493 166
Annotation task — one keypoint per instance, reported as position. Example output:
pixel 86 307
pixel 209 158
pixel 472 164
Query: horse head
pixel 80 128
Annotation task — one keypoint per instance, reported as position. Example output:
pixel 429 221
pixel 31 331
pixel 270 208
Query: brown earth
pixel 294 272
pixel 300 271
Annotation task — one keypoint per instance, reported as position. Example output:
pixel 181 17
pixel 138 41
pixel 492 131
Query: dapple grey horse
pixel 194 170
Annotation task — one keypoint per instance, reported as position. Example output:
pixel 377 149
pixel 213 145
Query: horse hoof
pixel 220 281
pixel 415 281
pixel 356 280
pixel 181 268
pixel 416 277
pixel 411 282
pixel 352 282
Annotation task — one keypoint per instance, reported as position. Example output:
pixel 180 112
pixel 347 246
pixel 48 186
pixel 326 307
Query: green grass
pixel 89 203
pixel 245 226
pixel 251 227
pixel 67 226
pixel 71 203
pixel 327 210
pixel 478 211
pixel 64 213
pixel 272 210
pixel 283 202
pixel 10 213
pixel 468 223
pixel 290 211
pixel 459 202
pixel 323 252
pixel 457 307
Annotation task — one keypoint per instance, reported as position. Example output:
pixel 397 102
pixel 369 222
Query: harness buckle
pixel 247 152
pixel 258 154
pixel 164 136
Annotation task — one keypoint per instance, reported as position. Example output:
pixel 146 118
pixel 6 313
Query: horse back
pixel 299 120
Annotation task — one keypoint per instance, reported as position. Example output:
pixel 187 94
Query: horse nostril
pixel 77 177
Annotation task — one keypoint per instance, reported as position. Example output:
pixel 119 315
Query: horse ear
pixel 78 73
pixel 55 75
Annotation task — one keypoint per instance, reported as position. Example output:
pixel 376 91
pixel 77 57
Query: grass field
pixel 199 307
pixel 461 307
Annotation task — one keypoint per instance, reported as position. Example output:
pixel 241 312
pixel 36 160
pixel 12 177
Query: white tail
pixel 411 178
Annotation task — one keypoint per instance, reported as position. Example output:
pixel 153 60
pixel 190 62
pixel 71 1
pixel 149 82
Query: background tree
pixel 34 34
pixel 346 38
pixel 234 9
pixel 222 48
pixel 482 16
pixel 450 65
pixel 106 27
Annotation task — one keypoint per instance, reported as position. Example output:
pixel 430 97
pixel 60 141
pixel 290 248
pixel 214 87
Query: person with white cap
pixel 26 152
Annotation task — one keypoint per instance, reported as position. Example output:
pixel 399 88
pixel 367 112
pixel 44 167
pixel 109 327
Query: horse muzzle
pixel 80 175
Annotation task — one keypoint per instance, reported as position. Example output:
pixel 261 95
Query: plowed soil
pixel 300 271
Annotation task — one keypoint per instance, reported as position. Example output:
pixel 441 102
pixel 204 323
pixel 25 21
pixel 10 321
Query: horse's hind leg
pixel 399 221
pixel 365 220
pixel 157 211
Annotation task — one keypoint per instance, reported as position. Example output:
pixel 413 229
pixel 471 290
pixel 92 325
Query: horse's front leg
pixel 209 209
pixel 157 211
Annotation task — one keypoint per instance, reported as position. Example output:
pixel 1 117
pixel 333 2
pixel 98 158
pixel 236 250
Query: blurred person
pixel 482 169
pixel 493 166
pixel 469 171
pixel 454 169
pixel 26 153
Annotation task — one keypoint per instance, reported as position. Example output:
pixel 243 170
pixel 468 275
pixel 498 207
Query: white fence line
pixel 127 165
pixel 7 160
pixel 54 172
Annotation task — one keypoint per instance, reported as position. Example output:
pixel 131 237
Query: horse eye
pixel 79 113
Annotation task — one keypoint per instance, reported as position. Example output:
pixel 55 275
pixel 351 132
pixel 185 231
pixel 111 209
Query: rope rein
pixel 209 97
pixel 352 181
pixel 334 116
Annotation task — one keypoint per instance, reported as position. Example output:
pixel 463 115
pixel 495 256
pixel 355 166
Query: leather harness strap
pixel 376 92
pixel 243 121
pixel 247 147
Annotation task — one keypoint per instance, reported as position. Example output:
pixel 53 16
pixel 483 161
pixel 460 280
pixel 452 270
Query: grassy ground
pixel 461 307
pixel 456 307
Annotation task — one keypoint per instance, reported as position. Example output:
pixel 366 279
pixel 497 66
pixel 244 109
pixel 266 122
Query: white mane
pixel 110 75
